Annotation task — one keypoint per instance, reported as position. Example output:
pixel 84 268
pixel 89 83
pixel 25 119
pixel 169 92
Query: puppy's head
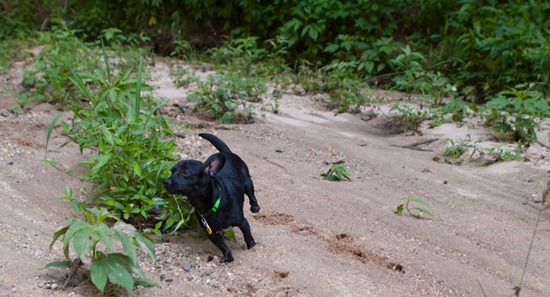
pixel 191 176
pixel 187 177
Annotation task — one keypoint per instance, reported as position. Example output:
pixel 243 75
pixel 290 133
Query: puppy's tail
pixel 216 142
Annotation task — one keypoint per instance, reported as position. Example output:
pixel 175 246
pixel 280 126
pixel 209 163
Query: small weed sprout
pixel 420 212
pixel 336 173
pixel 455 150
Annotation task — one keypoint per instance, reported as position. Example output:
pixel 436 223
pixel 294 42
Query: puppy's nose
pixel 167 182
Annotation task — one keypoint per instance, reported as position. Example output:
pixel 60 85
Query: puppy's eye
pixel 185 173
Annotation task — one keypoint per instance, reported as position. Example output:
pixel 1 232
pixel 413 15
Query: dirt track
pixel 315 237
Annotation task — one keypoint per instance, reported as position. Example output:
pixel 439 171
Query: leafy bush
pixel 49 79
pixel 518 112
pixel 493 46
pixel 63 52
pixel 133 153
pixel 408 118
pixel 348 96
pixel 219 97
pixel 94 239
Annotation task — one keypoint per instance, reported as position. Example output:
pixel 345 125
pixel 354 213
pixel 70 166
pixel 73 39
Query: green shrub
pixel 220 97
pixel 133 154
pixel 517 112
pixel 93 239
pixel 49 80
pixel 493 45
pixel 408 118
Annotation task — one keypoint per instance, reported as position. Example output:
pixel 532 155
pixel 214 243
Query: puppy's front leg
pixel 218 241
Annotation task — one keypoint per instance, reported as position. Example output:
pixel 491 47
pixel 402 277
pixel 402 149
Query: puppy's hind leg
pixel 245 229
pixel 249 191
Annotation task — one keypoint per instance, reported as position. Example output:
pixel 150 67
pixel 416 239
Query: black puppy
pixel 216 190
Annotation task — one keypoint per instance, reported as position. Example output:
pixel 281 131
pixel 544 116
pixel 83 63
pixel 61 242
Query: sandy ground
pixel 315 237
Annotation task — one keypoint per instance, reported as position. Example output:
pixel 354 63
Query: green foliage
pixel 336 173
pixel 181 76
pixel 493 45
pixel 347 94
pixel 459 109
pixel 228 98
pixel 420 212
pixel 455 150
pixel 504 155
pixel 132 152
pixel 94 238
pixel 13 49
pixel 408 118
pixel 518 112
pixel 48 80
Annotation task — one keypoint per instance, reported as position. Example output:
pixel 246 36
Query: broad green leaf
pixel 98 271
pixel 84 240
pixel 118 271
pixel 73 228
pixel 105 236
pixel 146 245
pixel 331 48
pixel 124 233
pixel 127 244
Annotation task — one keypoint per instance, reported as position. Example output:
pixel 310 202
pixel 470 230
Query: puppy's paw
pixel 250 244
pixel 227 259
pixel 255 208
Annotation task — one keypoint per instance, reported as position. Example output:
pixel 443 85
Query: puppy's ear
pixel 213 165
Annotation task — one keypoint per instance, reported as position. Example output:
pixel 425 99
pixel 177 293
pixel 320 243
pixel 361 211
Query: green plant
pixel 349 95
pixel 49 80
pixel 336 173
pixel 132 152
pixel 220 97
pixel 420 212
pixel 518 112
pixel 182 49
pixel 504 155
pixel 408 118
pixel 50 77
pixel 459 109
pixel 93 238
pixel 181 76
pixel 455 150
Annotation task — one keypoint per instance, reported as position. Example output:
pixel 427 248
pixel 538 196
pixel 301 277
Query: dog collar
pixel 214 208
pixel 211 212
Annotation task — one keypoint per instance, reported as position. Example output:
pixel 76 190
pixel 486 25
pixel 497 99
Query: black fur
pixel 224 175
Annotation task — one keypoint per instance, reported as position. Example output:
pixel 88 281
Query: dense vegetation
pixel 483 47
pixel 486 59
